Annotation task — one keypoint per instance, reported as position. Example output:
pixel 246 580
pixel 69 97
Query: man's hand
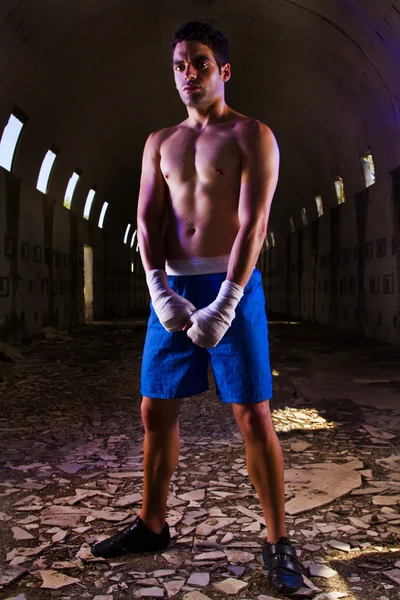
pixel 207 326
pixel 172 310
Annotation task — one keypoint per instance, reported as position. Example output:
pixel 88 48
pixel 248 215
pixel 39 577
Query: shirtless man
pixel 214 176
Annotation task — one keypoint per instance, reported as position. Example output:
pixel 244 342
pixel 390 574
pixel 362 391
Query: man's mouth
pixel 191 88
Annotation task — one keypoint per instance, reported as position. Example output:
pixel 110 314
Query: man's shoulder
pixel 248 127
pixel 253 135
pixel 160 135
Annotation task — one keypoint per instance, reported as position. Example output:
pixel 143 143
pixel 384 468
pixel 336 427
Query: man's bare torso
pixel 202 172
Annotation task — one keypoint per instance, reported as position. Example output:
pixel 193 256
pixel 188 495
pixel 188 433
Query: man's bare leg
pixel 161 453
pixel 265 463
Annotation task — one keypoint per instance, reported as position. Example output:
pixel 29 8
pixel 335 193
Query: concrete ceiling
pixel 94 78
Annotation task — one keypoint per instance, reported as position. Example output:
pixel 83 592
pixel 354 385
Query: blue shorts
pixel 174 367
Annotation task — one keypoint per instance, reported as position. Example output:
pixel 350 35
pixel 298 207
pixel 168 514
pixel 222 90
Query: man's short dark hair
pixel 207 35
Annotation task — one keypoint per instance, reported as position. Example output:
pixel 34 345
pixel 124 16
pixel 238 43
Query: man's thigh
pixel 172 366
pixel 240 361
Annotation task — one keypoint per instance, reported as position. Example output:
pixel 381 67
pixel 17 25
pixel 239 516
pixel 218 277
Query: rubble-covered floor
pixel 71 471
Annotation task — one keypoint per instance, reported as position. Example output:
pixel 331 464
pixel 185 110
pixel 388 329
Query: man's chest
pixel 205 157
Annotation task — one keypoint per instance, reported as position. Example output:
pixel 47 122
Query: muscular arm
pixel 260 166
pixel 172 310
pixel 151 207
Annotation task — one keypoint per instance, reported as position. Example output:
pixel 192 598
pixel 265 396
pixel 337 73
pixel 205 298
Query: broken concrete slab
pixel 197 495
pixel 394 575
pixel 324 486
pixel 53 580
pixel 201 579
pixel 173 587
pixel 218 555
pixel 10 574
pixel 21 534
pixel 151 592
pixel 299 446
pixel 338 545
pixel 230 586
pixel 317 570
pixel 195 595
pixel 386 500
pixel 238 556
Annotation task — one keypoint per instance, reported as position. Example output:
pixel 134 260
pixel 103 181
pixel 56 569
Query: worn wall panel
pixel 42 260
pixel 357 258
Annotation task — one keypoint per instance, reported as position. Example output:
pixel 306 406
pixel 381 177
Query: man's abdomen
pixel 194 238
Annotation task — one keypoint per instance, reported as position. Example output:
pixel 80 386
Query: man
pixel 206 189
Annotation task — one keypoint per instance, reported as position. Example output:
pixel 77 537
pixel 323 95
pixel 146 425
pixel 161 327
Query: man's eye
pixel 203 65
pixel 179 68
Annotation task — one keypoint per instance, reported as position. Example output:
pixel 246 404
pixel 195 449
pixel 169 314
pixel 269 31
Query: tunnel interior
pixel 84 84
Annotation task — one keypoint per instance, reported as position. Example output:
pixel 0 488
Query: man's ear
pixel 226 72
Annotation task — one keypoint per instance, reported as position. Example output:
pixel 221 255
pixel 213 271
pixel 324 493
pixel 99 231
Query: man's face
pixel 197 76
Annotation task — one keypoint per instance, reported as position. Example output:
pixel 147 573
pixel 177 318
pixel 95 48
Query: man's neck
pixel 199 118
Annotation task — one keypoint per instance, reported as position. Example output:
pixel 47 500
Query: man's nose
pixel 190 73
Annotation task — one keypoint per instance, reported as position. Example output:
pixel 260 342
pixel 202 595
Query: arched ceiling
pixel 94 78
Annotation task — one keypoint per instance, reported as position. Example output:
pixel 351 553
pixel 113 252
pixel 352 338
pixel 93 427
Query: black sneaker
pixel 284 568
pixel 136 537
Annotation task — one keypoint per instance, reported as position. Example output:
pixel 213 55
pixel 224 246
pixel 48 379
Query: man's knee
pixel 254 421
pixel 159 415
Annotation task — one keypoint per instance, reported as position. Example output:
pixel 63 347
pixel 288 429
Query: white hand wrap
pixel 211 323
pixel 172 310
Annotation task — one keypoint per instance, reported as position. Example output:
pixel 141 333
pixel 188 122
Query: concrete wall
pixel 42 267
pixel 344 269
